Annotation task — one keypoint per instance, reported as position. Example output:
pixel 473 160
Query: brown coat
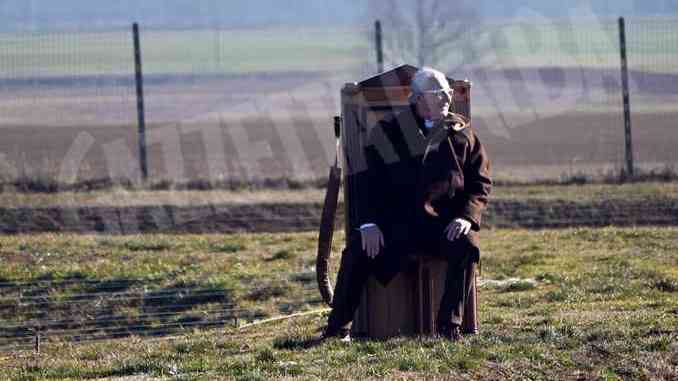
pixel 408 166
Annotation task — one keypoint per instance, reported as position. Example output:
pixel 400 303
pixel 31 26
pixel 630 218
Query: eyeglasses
pixel 442 94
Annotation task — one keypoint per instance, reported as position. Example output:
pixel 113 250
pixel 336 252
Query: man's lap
pixel 402 240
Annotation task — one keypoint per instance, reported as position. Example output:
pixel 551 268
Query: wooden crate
pixel 410 303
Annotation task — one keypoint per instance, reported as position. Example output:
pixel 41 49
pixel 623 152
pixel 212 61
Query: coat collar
pixel 455 121
pixel 421 125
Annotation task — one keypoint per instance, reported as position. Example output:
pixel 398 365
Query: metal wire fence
pixel 42 312
pixel 653 65
pixel 60 91
pixel 221 105
pixel 547 95
pixel 255 104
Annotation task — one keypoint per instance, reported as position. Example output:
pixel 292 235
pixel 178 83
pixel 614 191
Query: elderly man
pixel 428 180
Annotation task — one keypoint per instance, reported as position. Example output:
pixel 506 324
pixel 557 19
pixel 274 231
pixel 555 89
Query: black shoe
pixel 343 334
pixel 450 332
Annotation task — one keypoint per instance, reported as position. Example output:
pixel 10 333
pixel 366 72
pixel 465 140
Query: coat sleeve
pixel 372 182
pixel 477 182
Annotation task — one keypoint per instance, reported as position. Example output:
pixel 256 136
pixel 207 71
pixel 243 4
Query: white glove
pixel 457 228
pixel 372 239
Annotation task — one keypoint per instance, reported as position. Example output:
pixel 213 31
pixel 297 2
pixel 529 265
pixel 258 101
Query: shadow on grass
pixel 296 343
pixel 184 296
pixel 266 292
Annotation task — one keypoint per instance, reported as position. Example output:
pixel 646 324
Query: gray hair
pixel 428 79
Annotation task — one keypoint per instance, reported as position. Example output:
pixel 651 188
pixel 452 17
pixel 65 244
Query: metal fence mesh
pixel 255 104
pixel 548 103
pixel 653 70
pixel 58 90
pixel 211 94
pixel 85 310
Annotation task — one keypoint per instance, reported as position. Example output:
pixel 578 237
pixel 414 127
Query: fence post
pixel 625 95
pixel 139 79
pixel 37 341
pixel 378 41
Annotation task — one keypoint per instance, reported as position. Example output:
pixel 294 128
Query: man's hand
pixel 372 239
pixel 457 228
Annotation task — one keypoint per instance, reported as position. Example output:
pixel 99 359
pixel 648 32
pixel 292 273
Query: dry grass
pixel 120 196
pixel 601 305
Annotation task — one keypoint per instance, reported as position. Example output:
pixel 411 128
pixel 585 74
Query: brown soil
pixel 305 216
pixel 40 127
pixel 577 142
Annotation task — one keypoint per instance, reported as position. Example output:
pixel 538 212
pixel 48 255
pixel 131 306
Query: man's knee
pixel 353 252
pixel 458 252
pixel 355 244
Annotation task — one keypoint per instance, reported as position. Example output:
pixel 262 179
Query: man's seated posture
pixel 428 180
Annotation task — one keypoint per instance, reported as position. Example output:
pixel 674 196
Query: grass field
pixel 653 43
pixel 73 54
pixel 554 304
pixel 581 193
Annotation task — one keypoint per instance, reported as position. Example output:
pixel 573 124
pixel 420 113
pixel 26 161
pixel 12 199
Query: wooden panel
pixel 409 305
pixel 401 75
pixel 470 324
pixel 386 95
pixel 353 164
pixel 387 311
pixel 462 98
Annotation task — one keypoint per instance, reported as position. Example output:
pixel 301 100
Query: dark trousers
pixel 401 241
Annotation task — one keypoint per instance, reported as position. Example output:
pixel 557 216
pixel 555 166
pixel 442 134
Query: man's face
pixel 434 104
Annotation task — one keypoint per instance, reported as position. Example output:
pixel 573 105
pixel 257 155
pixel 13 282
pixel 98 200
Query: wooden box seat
pixel 409 304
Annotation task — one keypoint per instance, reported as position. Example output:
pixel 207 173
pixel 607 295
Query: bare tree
pixel 421 30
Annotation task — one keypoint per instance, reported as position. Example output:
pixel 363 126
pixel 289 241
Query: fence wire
pixel 547 98
pixel 57 315
pixel 255 104
pixel 60 93
pixel 653 71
